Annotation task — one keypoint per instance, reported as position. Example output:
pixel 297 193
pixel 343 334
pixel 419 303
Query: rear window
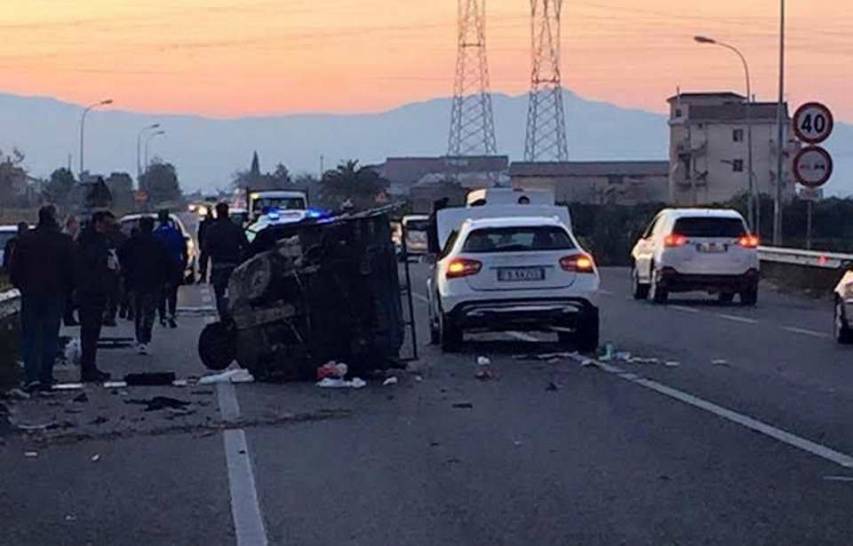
pixel 417 225
pixel 518 239
pixel 710 227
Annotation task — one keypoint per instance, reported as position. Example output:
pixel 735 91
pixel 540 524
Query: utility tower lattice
pixel 472 126
pixel 546 119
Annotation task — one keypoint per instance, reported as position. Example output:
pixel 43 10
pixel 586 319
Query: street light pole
pixel 752 189
pixel 780 120
pixel 148 141
pixel 83 129
pixel 139 149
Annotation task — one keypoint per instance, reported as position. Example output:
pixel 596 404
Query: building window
pixel 678 112
pixel 737 165
pixel 737 135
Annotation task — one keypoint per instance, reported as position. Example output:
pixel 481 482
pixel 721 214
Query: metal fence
pixel 805 258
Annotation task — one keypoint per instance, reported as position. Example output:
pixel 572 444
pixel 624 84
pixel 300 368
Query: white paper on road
pixel 329 383
pixel 231 376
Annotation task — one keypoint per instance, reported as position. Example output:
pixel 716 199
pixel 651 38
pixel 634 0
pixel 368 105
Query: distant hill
pixel 208 151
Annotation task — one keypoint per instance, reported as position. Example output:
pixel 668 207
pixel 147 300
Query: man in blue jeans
pixel 42 270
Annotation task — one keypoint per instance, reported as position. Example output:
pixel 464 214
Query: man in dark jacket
pixel 226 244
pixel 147 268
pixel 95 266
pixel 9 248
pixel 41 270
pixel 203 258
pixel 176 246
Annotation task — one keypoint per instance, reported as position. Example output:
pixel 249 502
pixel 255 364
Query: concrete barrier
pixel 813 271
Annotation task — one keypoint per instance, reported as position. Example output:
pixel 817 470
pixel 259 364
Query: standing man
pixel 115 239
pixel 226 244
pixel 204 258
pixel 95 265
pixel 147 268
pixel 9 249
pixel 176 246
pixel 40 270
pixel 72 229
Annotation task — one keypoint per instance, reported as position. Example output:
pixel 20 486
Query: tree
pixel 254 179
pixel 348 182
pixel 13 177
pixel 160 182
pixel 60 186
pixel 121 187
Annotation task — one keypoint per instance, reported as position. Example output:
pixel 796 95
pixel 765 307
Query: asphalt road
pixel 738 434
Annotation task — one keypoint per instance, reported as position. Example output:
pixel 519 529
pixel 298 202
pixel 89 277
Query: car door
pixel 643 252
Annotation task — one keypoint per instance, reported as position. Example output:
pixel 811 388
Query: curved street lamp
pixel 148 141
pixel 139 148
pixel 83 129
pixel 754 215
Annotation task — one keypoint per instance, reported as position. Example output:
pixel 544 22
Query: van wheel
pixel 587 334
pixel 749 297
pixel 657 293
pixel 640 290
pixel 450 335
pixel 842 330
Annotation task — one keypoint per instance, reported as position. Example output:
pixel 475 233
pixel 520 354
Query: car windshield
pixel 709 227
pixel 283 203
pixel 417 225
pixel 517 239
pixel 5 236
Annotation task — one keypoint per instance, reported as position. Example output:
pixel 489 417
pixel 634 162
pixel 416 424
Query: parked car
pixel 843 324
pixel 513 273
pixel 685 250
pixel 131 221
pixel 415 227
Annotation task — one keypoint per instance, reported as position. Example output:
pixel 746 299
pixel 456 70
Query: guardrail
pixel 805 258
pixel 10 303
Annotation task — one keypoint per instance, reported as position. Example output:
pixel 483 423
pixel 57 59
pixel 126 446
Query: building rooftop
pixel 720 95
pixel 408 170
pixel 759 111
pixel 590 168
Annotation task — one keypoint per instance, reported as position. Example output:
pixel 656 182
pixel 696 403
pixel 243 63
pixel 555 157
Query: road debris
pixel 99 420
pixel 73 352
pixel 545 356
pixel 96 457
pixel 672 363
pixel 70 517
pixel 463 405
pixel 720 362
pixel 16 394
pixel 484 375
pixel 338 383
pixel 81 398
pixel 589 363
pixel 332 369
pixel 31 454
pixel 552 387
pixel 240 375
pixel 390 381
pixel 149 379
pixel 484 361
pixel 158 403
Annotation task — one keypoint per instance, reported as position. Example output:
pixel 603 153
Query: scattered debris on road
pixel 31 454
pixel 672 363
pixel 158 403
pixel 484 361
pixel 390 381
pixel 240 375
pixel 332 369
pixel 96 457
pixel 720 362
pixel 150 379
pixel 463 405
pixel 484 375
pixel 552 387
pixel 338 383
pixel 81 398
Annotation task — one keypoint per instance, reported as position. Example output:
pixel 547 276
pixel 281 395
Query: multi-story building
pixel 708 148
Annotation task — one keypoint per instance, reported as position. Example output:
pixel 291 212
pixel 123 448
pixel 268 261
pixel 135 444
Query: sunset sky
pixel 231 58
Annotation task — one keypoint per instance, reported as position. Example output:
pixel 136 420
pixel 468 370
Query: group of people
pixel 59 270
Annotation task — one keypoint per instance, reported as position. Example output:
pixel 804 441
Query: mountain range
pixel 208 151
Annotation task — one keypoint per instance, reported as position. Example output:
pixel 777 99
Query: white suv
pixel 514 273
pixel 686 250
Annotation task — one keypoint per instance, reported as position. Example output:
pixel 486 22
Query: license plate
pixel 712 247
pixel 521 274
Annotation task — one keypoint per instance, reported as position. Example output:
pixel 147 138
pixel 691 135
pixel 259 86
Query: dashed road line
pixel 736 318
pixel 685 309
pixel 245 508
pixel 805 332
pixel 761 427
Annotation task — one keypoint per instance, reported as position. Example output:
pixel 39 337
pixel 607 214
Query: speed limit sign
pixel 813 123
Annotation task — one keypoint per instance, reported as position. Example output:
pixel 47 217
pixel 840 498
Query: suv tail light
pixel 577 263
pixel 461 267
pixel 749 241
pixel 674 240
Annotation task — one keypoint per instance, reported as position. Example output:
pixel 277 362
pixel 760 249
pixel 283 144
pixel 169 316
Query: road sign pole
pixel 809 216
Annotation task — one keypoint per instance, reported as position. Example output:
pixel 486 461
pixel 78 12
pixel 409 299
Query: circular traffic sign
pixel 813 123
pixel 813 167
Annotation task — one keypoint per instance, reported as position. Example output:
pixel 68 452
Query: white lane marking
pixel 245 508
pixel 736 318
pixel 685 309
pixel 753 424
pixel 522 336
pixel 420 297
pixel 248 523
pixel 838 478
pixel 805 332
